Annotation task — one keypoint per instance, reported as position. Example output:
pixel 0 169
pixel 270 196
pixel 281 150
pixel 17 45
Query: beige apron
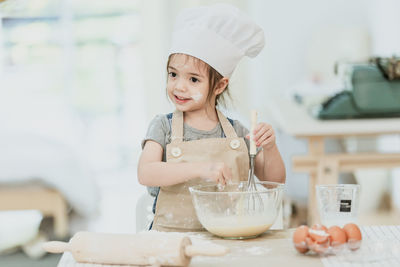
pixel 174 208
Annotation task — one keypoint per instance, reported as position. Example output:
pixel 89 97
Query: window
pixel 85 54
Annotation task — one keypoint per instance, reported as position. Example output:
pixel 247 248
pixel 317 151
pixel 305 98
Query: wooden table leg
pixel 60 214
pixel 312 200
pixel 327 173
pixel 315 148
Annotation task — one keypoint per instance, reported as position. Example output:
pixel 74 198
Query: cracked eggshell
pixel 319 248
pixel 319 233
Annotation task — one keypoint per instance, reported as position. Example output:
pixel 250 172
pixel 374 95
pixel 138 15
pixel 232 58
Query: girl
pixel 197 143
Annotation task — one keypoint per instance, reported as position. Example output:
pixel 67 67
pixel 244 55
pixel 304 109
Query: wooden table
pixel 380 247
pixel 274 248
pixel 322 167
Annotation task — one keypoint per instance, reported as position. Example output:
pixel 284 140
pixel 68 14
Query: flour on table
pixel 257 250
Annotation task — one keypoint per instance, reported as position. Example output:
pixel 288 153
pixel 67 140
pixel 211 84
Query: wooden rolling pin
pixel 148 248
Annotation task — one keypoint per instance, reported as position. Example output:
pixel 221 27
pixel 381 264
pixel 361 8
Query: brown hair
pixel 213 78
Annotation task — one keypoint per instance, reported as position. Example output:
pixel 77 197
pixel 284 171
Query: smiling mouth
pixel 181 99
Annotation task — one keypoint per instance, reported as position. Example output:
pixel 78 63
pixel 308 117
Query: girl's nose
pixel 180 85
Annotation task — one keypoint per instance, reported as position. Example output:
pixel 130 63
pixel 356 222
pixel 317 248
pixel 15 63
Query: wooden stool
pixel 49 201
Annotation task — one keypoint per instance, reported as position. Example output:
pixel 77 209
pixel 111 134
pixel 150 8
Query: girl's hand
pixel 216 171
pixel 264 136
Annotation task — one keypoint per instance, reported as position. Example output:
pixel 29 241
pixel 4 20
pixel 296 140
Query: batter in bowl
pixel 238 227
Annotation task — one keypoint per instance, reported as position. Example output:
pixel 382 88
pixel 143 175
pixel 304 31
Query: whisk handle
pixel 253 148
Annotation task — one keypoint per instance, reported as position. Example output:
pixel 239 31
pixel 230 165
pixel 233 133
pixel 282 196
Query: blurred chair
pixel 48 201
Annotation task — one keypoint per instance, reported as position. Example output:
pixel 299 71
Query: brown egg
pixel 319 233
pixel 299 238
pixel 353 235
pixel 352 231
pixel 337 236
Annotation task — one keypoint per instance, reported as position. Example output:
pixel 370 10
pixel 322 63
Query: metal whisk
pixel 255 201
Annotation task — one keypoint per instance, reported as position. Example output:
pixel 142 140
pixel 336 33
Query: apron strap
pixel 177 126
pixel 226 126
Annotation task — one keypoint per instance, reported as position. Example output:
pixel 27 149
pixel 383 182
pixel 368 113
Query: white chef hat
pixel 219 35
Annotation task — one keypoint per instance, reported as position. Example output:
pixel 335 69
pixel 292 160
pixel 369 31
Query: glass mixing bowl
pixel 233 212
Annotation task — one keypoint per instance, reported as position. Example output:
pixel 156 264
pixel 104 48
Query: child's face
pixel 188 83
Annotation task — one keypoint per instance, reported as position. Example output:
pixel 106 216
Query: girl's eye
pixel 172 74
pixel 193 79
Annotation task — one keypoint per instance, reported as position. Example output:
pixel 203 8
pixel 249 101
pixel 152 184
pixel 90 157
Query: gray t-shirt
pixel 160 131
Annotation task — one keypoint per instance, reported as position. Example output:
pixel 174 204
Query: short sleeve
pixel 158 130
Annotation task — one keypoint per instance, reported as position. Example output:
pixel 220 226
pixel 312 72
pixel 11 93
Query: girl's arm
pixel 269 165
pixel 152 171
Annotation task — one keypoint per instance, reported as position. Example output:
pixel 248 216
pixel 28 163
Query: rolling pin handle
pixel 56 246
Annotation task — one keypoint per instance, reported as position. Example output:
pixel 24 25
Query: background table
pixel 322 167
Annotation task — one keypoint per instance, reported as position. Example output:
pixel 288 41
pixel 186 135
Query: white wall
pixel 286 60
pixel 1 48
pixel 384 24
pixel 289 27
